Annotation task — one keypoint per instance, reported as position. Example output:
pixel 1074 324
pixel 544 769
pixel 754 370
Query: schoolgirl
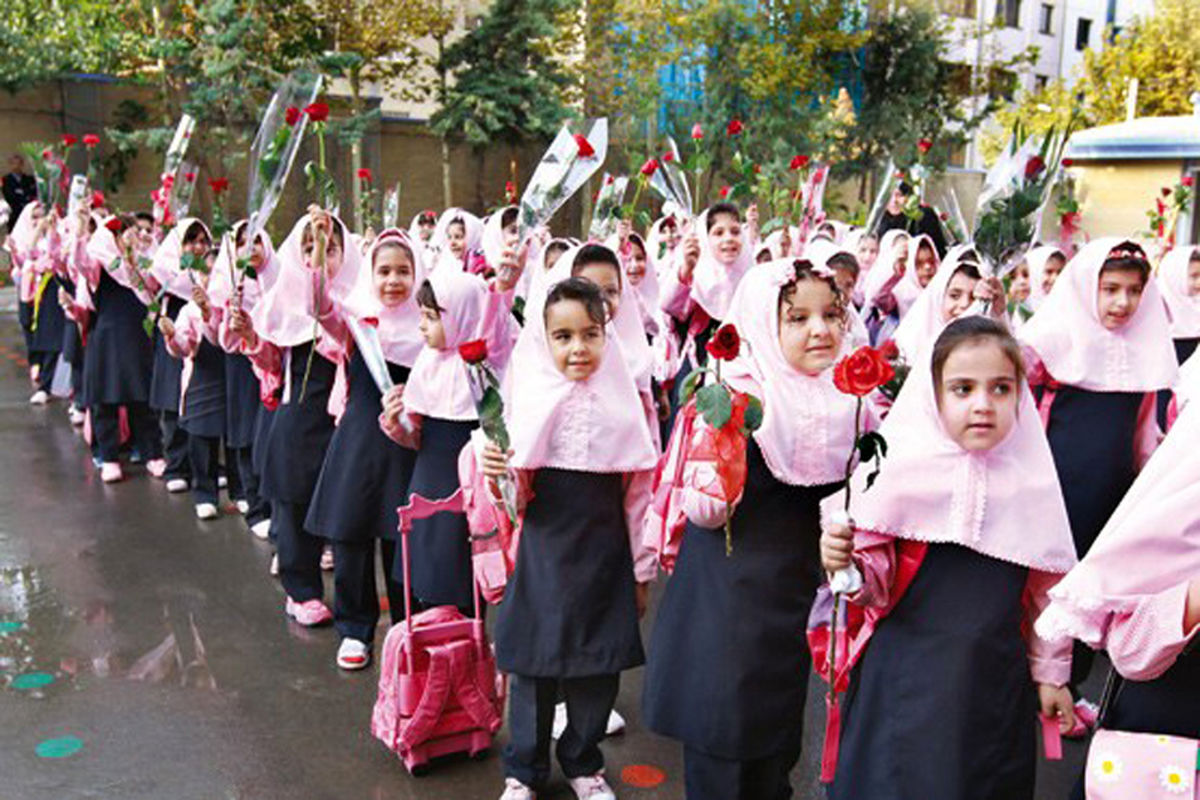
pixel 365 477
pixel 36 249
pixel 1045 264
pixel 881 312
pixel 727 673
pixel 955 564
pixel 1179 281
pixel 78 231
pixel 957 287
pixel 662 242
pixel 1136 595
pixel 435 414
pixel 457 233
pixel 1100 348
pixel 190 241
pixel 247 419
pixel 583 460
pixel 295 339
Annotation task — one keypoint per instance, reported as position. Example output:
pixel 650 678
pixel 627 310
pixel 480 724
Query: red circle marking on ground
pixel 643 776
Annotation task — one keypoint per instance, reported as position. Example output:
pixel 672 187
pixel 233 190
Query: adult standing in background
pixel 19 188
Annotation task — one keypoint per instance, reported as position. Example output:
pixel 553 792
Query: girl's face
pixel 38 212
pixel 763 257
pixel 725 238
pixel 456 238
pixel 425 229
pixel 901 251
pixel 431 328
pixel 576 340
pixel 608 279
pixel 198 246
pixel 1193 277
pixel 1018 291
pixel 926 264
pixel 868 251
pixel 1119 296
pixel 845 280
pixel 977 399
pixel 635 270
pixel 811 326
pixel 393 273
pixel 670 236
pixel 257 256
pixel 1054 267
pixel 552 257
pixel 511 236
pixel 958 296
pixel 333 254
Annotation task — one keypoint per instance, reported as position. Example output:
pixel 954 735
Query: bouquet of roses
pixel 608 205
pixel 732 415
pixel 49 173
pixel 485 390
pixel 570 161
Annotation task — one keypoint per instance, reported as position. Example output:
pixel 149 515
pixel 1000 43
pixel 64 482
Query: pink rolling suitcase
pixel 439 692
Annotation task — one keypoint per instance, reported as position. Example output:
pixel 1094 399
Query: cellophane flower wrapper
pixel 561 173
pixel 608 204
pixel 366 338
pixel 182 190
pixel 165 198
pixel 814 201
pixel 79 197
pixel 489 404
pixel 671 183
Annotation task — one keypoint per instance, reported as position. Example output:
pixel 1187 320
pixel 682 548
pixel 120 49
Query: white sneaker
pixel 207 511
pixel 274 568
pixel 39 398
pixel 592 787
pixel 614 727
pixel 222 482
pixel 177 485
pixel 515 790
pixel 76 416
pixel 327 559
pixel 243 507
pixel 262 529
pixel 353 654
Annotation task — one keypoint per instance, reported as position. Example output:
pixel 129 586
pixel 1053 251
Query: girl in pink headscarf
pixel 881 312
pixel 1100 348
pixel 36 249
pixel 727 673
pixel 366 475
pixel 956 563
pixel 295 339
pixel 583 457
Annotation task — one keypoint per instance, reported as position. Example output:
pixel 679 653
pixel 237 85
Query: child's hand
pixel 167 327
pixel 1056 701
pixel 64 299
pixel 494 462
pixel 200 298
pixel 991 291
pixel 393 403
pixel 899 267
pixel 641 596
pixel 239 325
pixel 512 264
pixel 691 255
pixel 837 545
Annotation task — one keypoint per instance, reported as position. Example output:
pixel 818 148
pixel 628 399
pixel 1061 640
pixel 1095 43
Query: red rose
pixel 218 185
pixel 1034 167
pixel 924 146
pixel 898 175
pixel 473 352
pixel 862 372
pixel 1162 208
pixel 69 140
pixel 1187 182
pixel 113 224
pixel 668 157
pixel 371 322
pixel 943 216
pixel 734 128
pixel 757 168
pixel 292 115
pixel 724 192
pixel 98 199
pixel 90 140
pixel 889 350
pixel 190 177
pixel 168 181
pixel 650 167
pixel 364 174
pixel 317 112
pixel 608 181
pixel 270 402
pixel 585 147
pixel 1166 192
pixel 697 132
pixel 725 343
pixel 1066 162
pixel 799 162
pixel 47 154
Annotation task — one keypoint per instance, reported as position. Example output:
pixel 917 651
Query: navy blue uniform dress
pixel 46 335
pixel 242 408
pixel 165 386
pixel 203 419
pixel 942 705
pixel 728 667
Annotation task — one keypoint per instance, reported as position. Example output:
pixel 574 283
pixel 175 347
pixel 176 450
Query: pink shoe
pixel 157 467
pixel 310 613
pixel 110 472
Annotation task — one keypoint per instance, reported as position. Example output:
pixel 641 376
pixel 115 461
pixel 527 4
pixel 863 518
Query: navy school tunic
pixel 1091 436
pixel 366 475
pixel 167 381
pixel 242 402
pixel 119 356
pixel 942 705
pixel 440 546
pixel 300 430
pixel 569 609
pixel 47 336
pixel 728 667
pixel 204 403
pixel 1169 704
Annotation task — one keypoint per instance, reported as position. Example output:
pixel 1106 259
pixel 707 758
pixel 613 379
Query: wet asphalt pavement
pixel 145 654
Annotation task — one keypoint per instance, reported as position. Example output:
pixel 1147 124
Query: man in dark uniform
pixel 894 217
pixel 19 188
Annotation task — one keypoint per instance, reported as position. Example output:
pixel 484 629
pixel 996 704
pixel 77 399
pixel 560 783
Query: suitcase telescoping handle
pixel 420 508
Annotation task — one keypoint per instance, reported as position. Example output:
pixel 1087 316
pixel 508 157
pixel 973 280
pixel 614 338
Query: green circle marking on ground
pixel 32 680
pixel 60 748
pixel 7 626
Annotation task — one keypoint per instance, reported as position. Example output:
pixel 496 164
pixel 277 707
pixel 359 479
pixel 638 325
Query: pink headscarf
pixel 923 323
pixel 1036 260
pixel 438 385
pixel 220 284
pixel 22 236
pixel 808 425
pixel 1183 309
pixel 819 253
pixel 908 289
pixel 713 283
pixel 656 241
pixel 1076 349
pixel 440 255
pixel 594 425
pixel 881 271
pixel 1004 503
pixel 398 334
pixel 491 241
pixel 1150 545
pixel 284 314
pixel 167 267
pixel 646 293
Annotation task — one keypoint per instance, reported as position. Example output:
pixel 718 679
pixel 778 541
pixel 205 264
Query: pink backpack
pixel 1124 765
pixel 439 692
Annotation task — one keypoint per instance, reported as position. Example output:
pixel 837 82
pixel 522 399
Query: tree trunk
pixel 446 195
pixel 356 156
